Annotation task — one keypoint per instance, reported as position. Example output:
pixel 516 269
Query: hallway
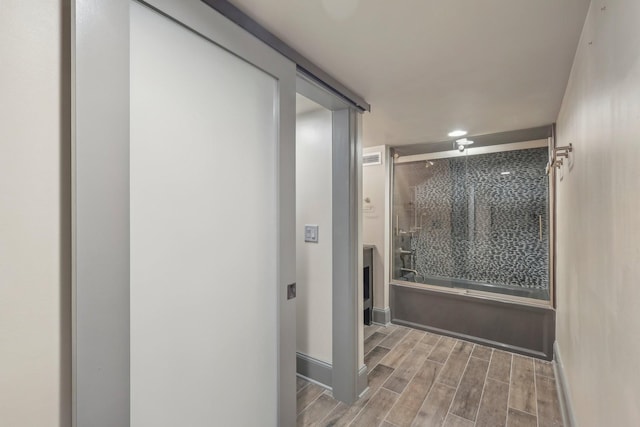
pixel 297 170
pixel 422 379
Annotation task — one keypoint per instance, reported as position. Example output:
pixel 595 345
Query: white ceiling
pixel 429 66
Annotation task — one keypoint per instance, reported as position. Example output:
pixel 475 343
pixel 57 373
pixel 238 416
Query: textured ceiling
pixel 429 66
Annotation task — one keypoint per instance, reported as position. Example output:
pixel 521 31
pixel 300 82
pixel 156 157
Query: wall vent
pixel 372 159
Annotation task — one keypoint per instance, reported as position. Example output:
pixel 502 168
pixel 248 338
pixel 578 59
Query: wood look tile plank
pixel 522 389
pixel 388 329
pixel 424 348
pixel 376 409
pixel 343 414
pixel 548 404
pixel 493 406
pixel 377 377
pixel 316 411
pixel 481 352
pixel 334 416
pixel 409 366
pixel 301 383
pixel 467 399
pixel 400 351
pixel 410 377
pixel 375 356
pixel 521 419
pixel 544 368
pixel 371 342
pixel 417 335
pixel 454 367
pixel 500 367
pixel 394 338
pixel 369 330
pixel 431 339
pixel 455 421
pixel 308 395
pixel 442 349
pixel 413 396
pixel 434 410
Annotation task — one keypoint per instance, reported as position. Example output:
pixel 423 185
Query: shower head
pixel 462 144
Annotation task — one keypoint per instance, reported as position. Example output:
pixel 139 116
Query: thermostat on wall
pixel 311 233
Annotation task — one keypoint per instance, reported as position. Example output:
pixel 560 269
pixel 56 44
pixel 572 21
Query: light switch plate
pixel 311 233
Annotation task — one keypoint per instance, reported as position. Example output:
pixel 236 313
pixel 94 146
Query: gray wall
pixel 598 210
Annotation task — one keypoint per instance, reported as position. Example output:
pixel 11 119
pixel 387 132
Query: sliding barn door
pixel 211 214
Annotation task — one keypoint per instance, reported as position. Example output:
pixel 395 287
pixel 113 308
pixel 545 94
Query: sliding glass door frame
pixel 470 152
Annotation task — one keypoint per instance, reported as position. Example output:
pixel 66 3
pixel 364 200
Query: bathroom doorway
pixel 329 337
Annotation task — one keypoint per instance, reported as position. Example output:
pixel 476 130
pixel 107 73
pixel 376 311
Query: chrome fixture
pixel 563 151
pixel 462 144
pixel 558 154
pixel 408 270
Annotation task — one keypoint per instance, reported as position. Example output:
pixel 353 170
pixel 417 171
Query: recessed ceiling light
pixel 457 133
pixel 505 173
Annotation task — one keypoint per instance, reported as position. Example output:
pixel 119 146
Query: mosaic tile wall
pixel 480 218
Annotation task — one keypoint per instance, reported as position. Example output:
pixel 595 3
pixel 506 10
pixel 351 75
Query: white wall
pixel 313 206
pixel 598 323
pixel 34 218
pixel 374 220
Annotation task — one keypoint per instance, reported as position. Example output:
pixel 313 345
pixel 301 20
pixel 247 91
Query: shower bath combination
pixel 471 236
pixel 474 222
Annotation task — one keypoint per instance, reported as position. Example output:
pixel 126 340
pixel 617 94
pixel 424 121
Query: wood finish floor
pixel 422 379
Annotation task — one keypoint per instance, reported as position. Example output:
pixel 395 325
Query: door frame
pixel 348 372
pixel 100 199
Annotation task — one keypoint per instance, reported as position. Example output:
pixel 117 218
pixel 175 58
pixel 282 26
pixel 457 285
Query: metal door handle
pixel 291 291
pixel 540 226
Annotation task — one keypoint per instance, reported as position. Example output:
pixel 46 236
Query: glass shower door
pixel 508 212
pixel 475 222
